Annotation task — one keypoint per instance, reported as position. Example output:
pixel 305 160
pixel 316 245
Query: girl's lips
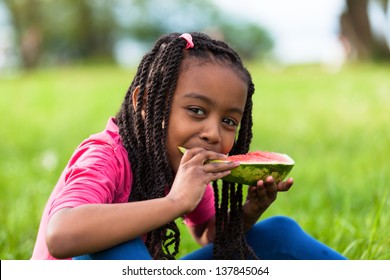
pixel 183 150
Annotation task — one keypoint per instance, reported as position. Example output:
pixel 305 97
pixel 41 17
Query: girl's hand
pixel 261 196
pixel 193 175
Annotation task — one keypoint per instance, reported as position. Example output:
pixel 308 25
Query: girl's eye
pixel 230 122
pixel 197 111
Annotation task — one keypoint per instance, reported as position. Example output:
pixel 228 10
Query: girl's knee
pixel 282 223
pixel 276 225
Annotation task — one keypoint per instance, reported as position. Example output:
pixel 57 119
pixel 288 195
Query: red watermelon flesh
pixel 261 156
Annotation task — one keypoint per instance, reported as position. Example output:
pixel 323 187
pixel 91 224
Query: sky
pixel 303 30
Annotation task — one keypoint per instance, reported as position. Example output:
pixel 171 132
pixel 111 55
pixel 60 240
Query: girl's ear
pixel 134 97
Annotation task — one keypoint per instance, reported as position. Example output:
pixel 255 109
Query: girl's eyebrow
pixel 211 102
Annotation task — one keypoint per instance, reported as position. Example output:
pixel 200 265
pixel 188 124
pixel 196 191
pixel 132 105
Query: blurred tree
pixel 251 41
pixel 80 29
pixel 28 26
pixel 358 32
pixel 91 28
pixel 58 31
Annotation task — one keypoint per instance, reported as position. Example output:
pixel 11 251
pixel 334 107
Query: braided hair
pixel 145 140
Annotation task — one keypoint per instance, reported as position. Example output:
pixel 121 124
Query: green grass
pixel 335 126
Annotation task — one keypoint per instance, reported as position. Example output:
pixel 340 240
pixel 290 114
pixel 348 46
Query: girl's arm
pixel 94 227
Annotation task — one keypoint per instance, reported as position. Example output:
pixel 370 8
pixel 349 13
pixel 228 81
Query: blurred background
pixel 37 33
pixel 322 75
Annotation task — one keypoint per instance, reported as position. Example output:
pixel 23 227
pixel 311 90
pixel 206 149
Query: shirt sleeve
pixel 204 211
pixel 92 177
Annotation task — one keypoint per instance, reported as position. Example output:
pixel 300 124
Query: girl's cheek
pixel 229 146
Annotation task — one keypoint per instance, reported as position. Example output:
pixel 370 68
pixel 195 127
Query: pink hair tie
pixel 188 38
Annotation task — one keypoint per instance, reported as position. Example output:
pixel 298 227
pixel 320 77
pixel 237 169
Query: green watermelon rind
pixel 250 173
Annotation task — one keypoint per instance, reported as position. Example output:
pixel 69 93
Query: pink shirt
pixel 99 172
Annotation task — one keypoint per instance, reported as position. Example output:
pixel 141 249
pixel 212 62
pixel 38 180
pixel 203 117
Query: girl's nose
pixel 211 133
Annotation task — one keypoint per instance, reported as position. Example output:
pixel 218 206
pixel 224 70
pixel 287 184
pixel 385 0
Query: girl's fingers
pixel 285 185
pixel 266 186
pixel 206 164
pixel 218 175
pixel 209 161
pixel 266 190
pixel 270 184
pixel 201 156
pixel 262 193
pixel 220 166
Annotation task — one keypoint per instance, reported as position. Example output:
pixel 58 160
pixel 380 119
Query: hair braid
pixel 170 235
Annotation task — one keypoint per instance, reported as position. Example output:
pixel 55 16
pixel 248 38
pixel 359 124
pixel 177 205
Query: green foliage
pixel 335 127
pixel 249 39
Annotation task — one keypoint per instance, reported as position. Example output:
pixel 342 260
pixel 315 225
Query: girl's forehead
pixel 192 63
pixel 188 63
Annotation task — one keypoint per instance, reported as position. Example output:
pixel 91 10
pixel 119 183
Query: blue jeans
pixel 276 238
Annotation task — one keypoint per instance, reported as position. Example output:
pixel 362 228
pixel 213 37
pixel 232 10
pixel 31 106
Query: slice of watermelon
pixel 258 165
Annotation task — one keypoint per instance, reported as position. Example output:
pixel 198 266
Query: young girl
pixel 124 188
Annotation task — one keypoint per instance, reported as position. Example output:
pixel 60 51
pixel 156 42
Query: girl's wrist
pixel 250 217
pixel 177 205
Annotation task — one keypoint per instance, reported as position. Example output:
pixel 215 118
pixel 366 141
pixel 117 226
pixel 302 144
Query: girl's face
pixel 207 107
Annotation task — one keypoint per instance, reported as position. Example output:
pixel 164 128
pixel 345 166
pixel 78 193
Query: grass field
pixel 335 126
